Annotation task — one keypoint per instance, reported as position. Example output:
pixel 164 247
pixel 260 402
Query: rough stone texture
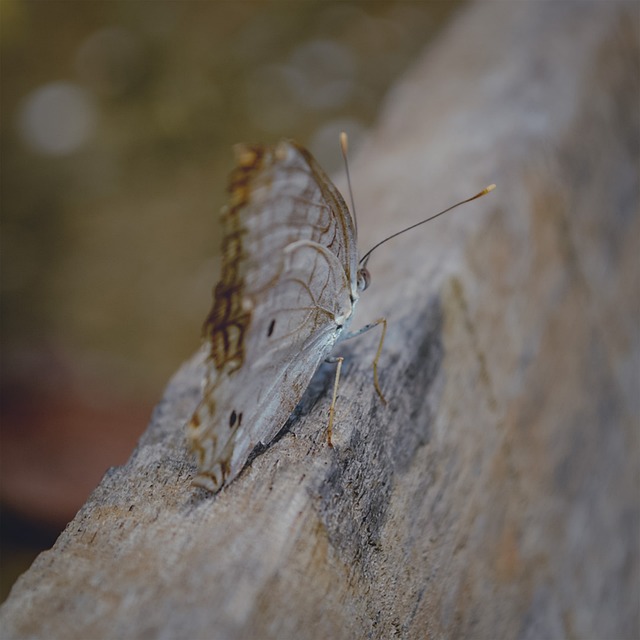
pixel 498 493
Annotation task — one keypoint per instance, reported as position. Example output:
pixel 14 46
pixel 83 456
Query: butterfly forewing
pixel 287 288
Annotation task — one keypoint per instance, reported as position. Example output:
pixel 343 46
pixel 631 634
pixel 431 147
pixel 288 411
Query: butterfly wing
pixel 287 288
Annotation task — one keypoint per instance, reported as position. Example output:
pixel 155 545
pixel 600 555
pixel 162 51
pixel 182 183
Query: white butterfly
pixel 290 281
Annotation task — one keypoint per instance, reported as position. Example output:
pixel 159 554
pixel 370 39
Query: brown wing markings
pixel 229 319
pixel 227 324
pixel 194 440
pixel 225 467
pixel 212 476
pixel 232 246
pixel 250 159
pixel 198 449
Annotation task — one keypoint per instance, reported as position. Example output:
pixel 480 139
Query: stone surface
pixel 498 493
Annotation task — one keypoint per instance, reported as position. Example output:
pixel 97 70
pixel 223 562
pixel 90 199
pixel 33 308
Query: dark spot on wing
pixel 232 418
pixel 272 326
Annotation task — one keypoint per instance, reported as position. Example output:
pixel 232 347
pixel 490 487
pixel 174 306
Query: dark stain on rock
pixel 354 496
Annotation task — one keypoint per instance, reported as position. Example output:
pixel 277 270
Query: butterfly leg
pixel 368 327
pixel 338 360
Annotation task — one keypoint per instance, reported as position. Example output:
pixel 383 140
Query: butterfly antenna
pixel 365 257
pixel 344 146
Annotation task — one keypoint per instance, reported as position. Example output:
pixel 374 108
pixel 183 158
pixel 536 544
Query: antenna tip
pixel 343 142
pixel 491 187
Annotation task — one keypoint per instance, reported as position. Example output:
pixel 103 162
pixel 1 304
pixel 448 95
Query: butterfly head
pixel 363 279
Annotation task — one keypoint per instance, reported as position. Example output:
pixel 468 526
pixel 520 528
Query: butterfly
pixel 290 281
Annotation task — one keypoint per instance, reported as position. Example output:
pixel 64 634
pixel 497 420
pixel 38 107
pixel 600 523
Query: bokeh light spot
pixel 57 119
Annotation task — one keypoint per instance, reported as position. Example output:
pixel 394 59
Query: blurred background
pixel 117 123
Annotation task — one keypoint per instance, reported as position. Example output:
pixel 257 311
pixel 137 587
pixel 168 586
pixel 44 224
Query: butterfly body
pixel 288 288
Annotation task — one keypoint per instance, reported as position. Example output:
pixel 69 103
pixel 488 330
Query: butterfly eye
pixel 364 279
